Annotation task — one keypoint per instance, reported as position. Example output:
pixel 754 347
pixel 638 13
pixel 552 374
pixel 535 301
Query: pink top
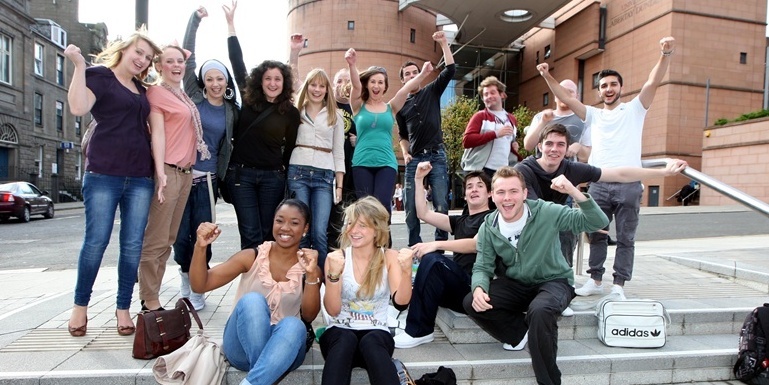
pixel 179 128
pixel 284 298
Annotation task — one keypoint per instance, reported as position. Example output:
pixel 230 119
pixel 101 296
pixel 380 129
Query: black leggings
pixel 344 349
pixel 376 181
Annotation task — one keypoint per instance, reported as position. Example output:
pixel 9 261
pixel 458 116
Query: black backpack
pixel 752 361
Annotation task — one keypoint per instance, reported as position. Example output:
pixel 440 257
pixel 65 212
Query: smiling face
pixel 376 87
pixel 317 91
pixel 215 83
pixel 492 99
pixel 137 57
pixel 361 233
pixel 272 84
pixel 509 195
pixel 409 72
pixel 288 226
pixel 609 90
pixel 171 65
pixel 476 193
pixel 553 149
pixel 342 86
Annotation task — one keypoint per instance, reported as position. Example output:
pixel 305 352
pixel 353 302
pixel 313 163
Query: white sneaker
pixel 405 341
pixel 198 301
pixel 589 288
pixel 184 290
pixel 567 312
pixel 619 290
pixel 520 345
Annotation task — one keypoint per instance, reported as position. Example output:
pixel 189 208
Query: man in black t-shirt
pixel 441 281
pixel 539 173
pixel 421 139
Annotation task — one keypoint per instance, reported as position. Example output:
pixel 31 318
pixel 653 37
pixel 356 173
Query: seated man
pixel 554 143
pixel 441 281
pixel 534 283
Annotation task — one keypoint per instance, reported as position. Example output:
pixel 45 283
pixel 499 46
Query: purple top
pixel 120 145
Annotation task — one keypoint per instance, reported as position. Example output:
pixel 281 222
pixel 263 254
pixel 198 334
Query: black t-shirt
pixel 462 227
pixel 419 121
pixel 538 181
pixel 348 186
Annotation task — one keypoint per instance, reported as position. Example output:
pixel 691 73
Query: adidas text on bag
pixel 632 323
pixel 752 360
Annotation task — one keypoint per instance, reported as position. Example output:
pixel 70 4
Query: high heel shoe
pixel 78 331
pixel 124 330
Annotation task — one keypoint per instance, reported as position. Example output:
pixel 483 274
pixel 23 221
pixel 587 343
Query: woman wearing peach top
pixel 265 334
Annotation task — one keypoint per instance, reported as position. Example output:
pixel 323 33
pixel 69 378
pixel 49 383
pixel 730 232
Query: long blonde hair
pixel 318 74
pixel 113 54
pixel 369 210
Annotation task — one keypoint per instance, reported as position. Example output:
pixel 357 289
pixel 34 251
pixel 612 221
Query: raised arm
pixel 80 98
pixel 351 57
pixel 440 37
pixel 560 92
pixel 201 278
pixel 533 131
pixel 191 86
pixel 649 89
pixel 634 174
pixel 399 265
pixel 436 219
pixel 239 70
pixel 396 103
pixel 295 46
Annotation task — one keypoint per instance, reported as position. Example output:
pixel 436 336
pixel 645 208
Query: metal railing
pixel 702 179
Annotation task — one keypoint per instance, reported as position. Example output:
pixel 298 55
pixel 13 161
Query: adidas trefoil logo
pixel 656 333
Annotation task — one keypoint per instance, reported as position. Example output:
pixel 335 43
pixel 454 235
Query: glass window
pixel 59 116
pixel 38 59
pixel 78 125
pixel 5 59
pixel 547 51
pixel 38 109
pixel 350 25
pixel 545 98
pixel 60 70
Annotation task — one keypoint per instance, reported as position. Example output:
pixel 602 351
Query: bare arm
pixel 308 259
pixel 440 37
pixel 404 144
pixel 352 59
pixel 649 89
pixel 538 124
pixel 399 274
pixel 158 134
pixel 332 299
pixel 634 174
pixel 296 45
pixel 466 245
pixel 562 93
pixel 80 98
pixel 436 219
pixel 201 278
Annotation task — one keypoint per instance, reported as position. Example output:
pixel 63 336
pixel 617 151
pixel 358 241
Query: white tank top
pixel 357 313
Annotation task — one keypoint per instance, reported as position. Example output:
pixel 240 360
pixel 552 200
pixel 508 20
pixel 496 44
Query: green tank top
pixel 375 139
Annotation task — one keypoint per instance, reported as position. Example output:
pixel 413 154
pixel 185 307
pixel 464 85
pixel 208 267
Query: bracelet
pixel 332 278
pixel 668 53
pixel 317 281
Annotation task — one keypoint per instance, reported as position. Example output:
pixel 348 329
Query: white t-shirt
pixel 512 231
pixel 615 135
pixel 501 149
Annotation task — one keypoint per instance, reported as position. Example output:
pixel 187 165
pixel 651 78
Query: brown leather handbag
pixel 160 332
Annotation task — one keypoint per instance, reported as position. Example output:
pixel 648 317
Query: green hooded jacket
pixel 538 257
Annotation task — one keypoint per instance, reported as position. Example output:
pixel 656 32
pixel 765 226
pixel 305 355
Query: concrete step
pixel 460 329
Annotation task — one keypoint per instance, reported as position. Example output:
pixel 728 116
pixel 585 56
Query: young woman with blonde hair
pixel 317 161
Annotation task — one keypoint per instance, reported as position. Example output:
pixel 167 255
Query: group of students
pixel 159 150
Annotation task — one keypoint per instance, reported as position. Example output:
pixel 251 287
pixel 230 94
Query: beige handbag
pixel 199 362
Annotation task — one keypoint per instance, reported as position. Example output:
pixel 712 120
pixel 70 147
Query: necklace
pixel 376 119
pixel 201 145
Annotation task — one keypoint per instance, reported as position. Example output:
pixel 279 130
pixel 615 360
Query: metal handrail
pixel 723 188
pixel 703 179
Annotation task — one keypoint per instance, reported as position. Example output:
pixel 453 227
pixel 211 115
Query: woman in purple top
pixel 118 169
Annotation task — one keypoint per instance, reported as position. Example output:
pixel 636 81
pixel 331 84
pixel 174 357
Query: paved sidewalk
pixel 35 304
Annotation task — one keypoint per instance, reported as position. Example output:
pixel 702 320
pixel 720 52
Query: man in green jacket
pixel 534 284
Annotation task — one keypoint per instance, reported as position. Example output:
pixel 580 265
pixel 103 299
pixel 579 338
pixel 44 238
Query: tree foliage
pixel 523 115
pixel 454 120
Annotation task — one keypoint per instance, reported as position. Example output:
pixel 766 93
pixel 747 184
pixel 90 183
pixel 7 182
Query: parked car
pixel 22 200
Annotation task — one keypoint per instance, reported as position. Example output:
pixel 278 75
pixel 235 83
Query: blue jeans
pixel 620 201
pixel 315 187
pixel 197 211
pixel 439 282
pixel 255 195
pixel 438 178
pixel 102 195
pixel 265 351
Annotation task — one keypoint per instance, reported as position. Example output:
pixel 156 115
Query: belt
pixel 432 150
pixel 314 147
pixel 202 178
pixel 180 169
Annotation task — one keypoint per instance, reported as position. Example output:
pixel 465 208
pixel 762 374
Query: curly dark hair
pixel 254 94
